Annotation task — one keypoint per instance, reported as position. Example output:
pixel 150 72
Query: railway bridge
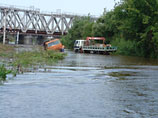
pixel 14 20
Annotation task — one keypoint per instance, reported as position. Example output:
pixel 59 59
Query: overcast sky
pixel 81 7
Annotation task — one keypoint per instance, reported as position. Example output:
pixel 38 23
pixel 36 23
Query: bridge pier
pixel 32 39
pixel 25 39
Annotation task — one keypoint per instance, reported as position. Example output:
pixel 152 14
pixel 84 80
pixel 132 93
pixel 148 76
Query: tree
pixel 82 27
pixel 132 26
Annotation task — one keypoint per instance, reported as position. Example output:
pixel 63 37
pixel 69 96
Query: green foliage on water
pixel 122 74
pixel 3 73
pixel 132 26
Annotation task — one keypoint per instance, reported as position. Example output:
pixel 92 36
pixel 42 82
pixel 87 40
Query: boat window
pixel 53 43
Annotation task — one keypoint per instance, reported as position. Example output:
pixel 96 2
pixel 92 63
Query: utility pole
pixel 4 27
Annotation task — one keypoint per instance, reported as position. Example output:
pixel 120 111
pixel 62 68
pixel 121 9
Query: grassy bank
pixel 29 58
pixel 41 57
pixel 6 51
pixel 25 59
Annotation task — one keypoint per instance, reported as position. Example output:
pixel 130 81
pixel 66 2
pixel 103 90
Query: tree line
pixel 132 26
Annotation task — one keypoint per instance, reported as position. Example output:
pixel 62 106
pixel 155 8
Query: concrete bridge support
pixel 31 40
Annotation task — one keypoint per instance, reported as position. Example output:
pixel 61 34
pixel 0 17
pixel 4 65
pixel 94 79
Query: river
pixel 84 86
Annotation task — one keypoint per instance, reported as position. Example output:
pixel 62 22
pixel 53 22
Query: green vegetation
pixel 82 27
pixel 3 73
pixel 122 74
pixel 6 51
pixel 42 57
pixel 132 26
pixel 29 58
pixel 19 61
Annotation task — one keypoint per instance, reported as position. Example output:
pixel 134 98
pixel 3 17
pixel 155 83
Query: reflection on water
pixel 84 86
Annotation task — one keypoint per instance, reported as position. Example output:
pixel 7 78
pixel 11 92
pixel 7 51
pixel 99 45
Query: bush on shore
pixel 3 73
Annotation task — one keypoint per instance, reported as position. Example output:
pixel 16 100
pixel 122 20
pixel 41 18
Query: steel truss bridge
pixel 30 21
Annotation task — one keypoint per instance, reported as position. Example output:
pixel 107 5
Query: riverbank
pixel 18 58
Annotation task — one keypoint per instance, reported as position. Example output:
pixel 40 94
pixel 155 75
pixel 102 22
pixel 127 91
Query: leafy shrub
pixel 125 47
pixel 3 73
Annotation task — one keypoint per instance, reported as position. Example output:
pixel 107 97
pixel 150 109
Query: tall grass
pixel 6 50
pixel 25 59
pixel 41 57
pixel 36 56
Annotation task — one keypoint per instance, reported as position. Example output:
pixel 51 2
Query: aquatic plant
pixel 3 73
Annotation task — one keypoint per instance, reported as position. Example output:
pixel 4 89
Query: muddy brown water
pixel 84 86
